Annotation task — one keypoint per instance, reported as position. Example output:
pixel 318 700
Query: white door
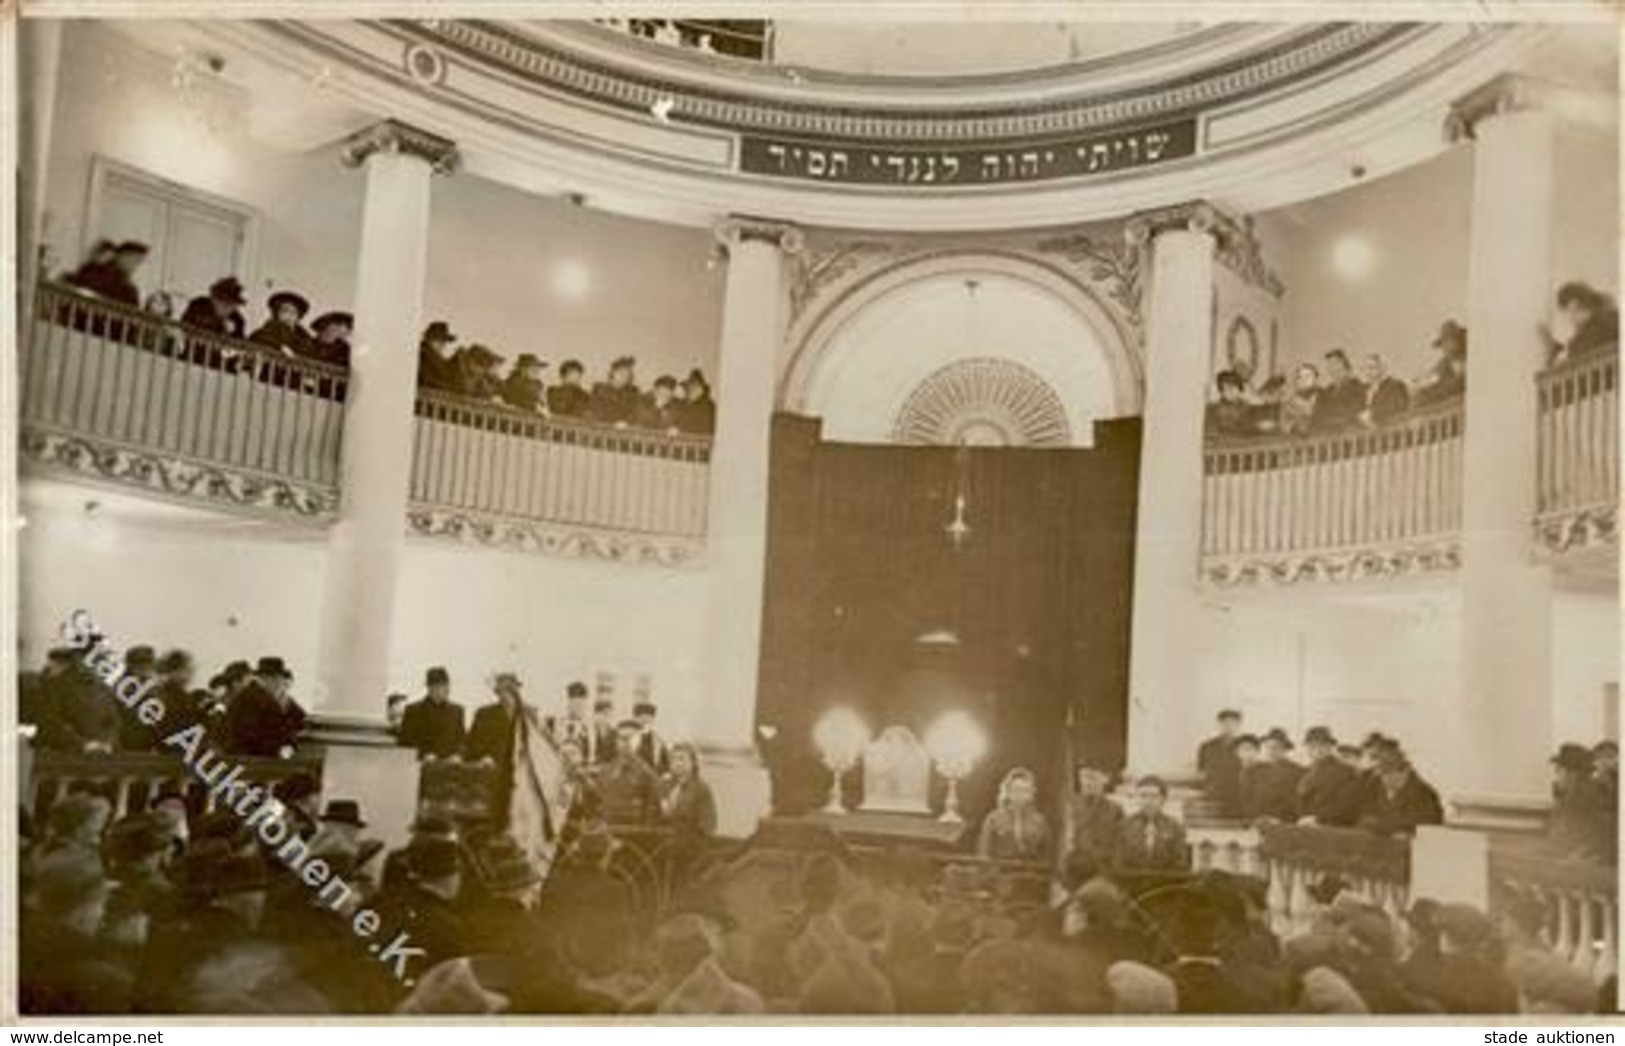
pixel 195 239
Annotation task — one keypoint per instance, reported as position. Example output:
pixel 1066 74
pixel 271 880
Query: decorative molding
pixel 1366 564
pixel 736 229
pixel 172 477
pixel 1577 530
pixel 1228 232
pixel 1243 255
pixel 821 266
pixel 392 136
pixel 554 539
pixel 992 394
pixel 1109 260
pixel 1507 93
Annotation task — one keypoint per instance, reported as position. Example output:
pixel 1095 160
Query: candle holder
pixel 956 744
pixel 841 736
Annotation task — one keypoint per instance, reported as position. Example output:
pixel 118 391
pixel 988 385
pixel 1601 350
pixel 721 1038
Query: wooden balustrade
pixel 1580 899
pixel 1232 848
pixel 489 459
pixel 130 780
pixel 1376 868
pixel 102 372
pixel 1347 491
pixel 1578 436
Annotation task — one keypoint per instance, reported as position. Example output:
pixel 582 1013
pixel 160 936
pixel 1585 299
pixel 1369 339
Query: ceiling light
pixel 571 279
pixel 1354 258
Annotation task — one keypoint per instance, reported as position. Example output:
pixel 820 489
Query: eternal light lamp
pixel 841 737
pixel 955 742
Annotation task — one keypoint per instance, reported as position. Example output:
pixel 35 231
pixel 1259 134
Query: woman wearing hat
pixel 283 330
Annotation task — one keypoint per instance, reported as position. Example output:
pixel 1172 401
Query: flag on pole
pixel 539 802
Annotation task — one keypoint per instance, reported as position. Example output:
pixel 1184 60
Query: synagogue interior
pixel 657 516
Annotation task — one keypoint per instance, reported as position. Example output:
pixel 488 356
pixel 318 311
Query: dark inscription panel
pixel 867 164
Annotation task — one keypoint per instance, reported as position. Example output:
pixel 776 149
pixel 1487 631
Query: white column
pixel 39 48
pixel 755 316
pixel 1164 720
pixel 1505 703
pixel 366 544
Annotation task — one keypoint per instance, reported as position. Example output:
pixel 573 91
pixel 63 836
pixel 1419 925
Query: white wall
pixel 1585 666
pixel 178 577
pixel 494 251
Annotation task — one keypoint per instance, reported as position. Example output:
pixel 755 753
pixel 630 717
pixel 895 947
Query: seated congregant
pixel 433 724
pixel 522 389
pixel 1092 820
pixel 615 402
pixel 566 398
pixel 1592 319
pixel 1148 839
pixel 1015 829
pixel 220 311
pixel 263 719
pixel 284 329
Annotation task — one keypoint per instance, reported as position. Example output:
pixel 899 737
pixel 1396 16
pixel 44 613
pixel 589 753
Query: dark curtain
pixel 860 567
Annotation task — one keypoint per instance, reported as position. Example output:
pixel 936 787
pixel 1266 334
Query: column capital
pixel 1195 216
pixel 1506 93
pixel 736 229
pixel 392 136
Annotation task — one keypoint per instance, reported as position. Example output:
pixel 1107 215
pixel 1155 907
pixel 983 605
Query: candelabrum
pixel 956 743
pixel 841 737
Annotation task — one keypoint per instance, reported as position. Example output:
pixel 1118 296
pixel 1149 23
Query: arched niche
pixel 968 325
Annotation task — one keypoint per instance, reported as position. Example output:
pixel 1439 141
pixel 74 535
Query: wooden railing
pixel 99 371
pixel 1580 899
pixel 130 780
pixel 1579 436
pixel 1376 869
pixel 1341 492
pixel 495 460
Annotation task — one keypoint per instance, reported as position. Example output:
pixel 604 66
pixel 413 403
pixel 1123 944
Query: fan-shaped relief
pixel 983 402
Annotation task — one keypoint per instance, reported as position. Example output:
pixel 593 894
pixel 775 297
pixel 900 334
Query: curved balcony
pixel 1335 507
pixel 112 395
pixel 1578 495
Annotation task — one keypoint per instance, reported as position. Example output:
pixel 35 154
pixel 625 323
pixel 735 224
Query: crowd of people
pixel 1372 786
pixel 472 371
pixel 1331 397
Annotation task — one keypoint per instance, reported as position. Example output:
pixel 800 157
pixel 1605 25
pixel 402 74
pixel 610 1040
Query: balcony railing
pixel 137 399
pixel 1579 897
pixel 1350 504
pixel 1578 468
pixel 113 395
pixel 496 461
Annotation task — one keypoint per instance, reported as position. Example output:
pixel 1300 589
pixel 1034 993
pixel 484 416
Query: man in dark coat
pixel 1220 767
pixel 567 399
pixel 76 711
pixel 1578 826
pixel 110 271
pixel 490 735
pixel 1342 400
pixel 628 789
pixel 697 414
pixel 434 724
pixel 217 917
pixel 1093 820
pixel 426 908
pixel 141 664
pixel 1149 840
pixel 522 388
pixel 219 311
pixel 1231 415
pixel 616 401
pixel 651 747
pixel 1593 321
pixel 1400 801
pixel 602 749
pixel 1386 397
pixel 264 718
pixel 1330 791
pixel 434 363
pixel 332 343
pixel 474 373
pixel 284 330
pixel 1269 788
pixel 576 725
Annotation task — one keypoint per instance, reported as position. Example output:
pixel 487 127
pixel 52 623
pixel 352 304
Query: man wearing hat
pixel 658 410
pixel 490 735
pixel 1220 767
pixel 603 729
pixel 522 388
pixel 140 664
pixel 628 789
pixel 219 311
pixel 1269 788
pixel 433 724
pixel 221 907
pixel 264 720
pixel 615 402
pixel 1329 792
pixel 575 726
pixel 1446 380
pixel 332 338
pixel 697 413
pixel 434 363
pixel 474 373
pixel 1400 800
pixel 509 886
pixel 651 747
pixel 426 908
pixel 284 330
pixel 1579 823
pixel 137 853
pixel 566 398
pixel 76 712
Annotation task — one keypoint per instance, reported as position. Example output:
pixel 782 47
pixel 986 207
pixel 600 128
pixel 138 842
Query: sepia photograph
pixel 903 512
